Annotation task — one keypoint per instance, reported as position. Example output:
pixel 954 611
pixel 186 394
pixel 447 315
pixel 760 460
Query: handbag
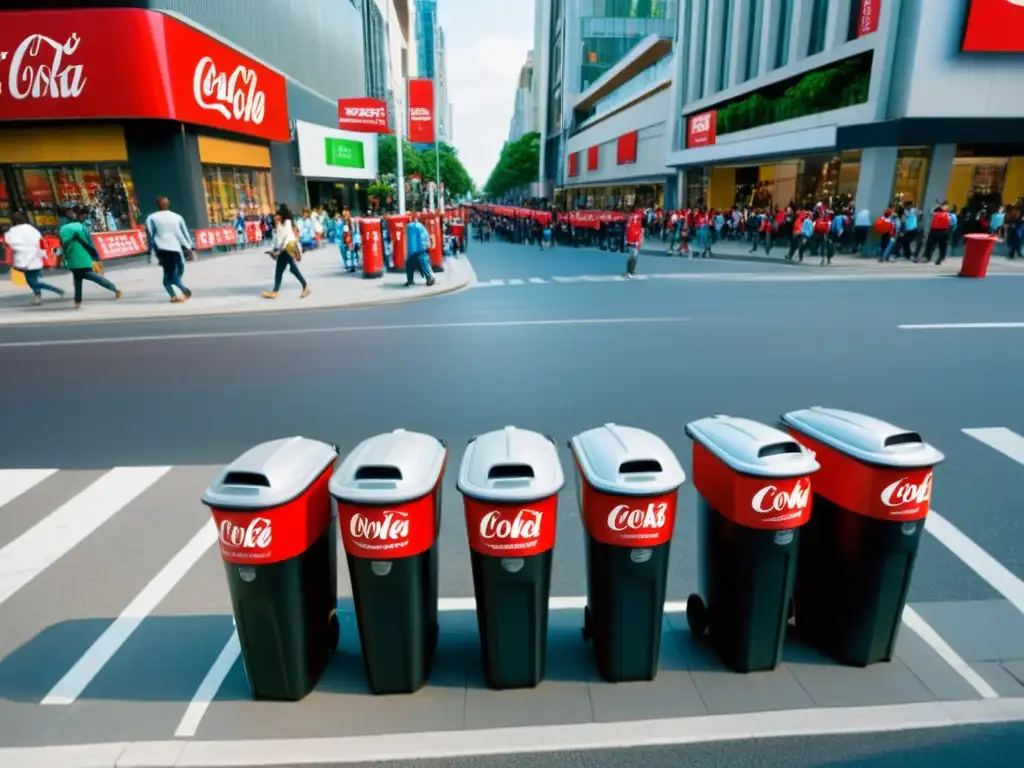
pixel 294 251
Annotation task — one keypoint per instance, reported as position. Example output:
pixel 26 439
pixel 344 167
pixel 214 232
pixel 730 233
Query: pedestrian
pixel 634 239
pixel 417 241
pixel 170 240
pixel 81 257
pixel 286 252
pixel 25 242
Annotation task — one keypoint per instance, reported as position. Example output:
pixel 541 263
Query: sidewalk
pixel 222 285
pixel 740 252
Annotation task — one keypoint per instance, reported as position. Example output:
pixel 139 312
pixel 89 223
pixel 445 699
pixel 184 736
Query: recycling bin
pixel 436 249
pixel 373 247
pixel 977 255
pixel 870 502
pixel 509 480
pixel 754 487
pixel 275 526
pixel 399 244
pixel 627 482
pixel 388 492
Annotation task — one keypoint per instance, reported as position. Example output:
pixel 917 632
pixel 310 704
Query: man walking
pixel 634 239
pixel 169 237
pixel 418 243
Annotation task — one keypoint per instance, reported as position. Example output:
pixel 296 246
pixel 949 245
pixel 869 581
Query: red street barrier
pixel 121 244
pixel 214 237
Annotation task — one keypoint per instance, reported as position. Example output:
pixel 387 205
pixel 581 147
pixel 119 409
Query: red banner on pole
pixel 363 115
pixel 421 111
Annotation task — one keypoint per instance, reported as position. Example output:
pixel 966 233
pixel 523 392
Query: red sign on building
pixel 626 148
pixel 700 129
pixel 994 26
pixel 363 115
pixel 574 164
pixel 421 111
pixel 71 65
pixel 867 22
pixel 593 158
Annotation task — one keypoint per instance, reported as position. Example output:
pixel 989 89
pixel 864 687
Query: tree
pixel 387 157
pixel 457 181
pixel 517 165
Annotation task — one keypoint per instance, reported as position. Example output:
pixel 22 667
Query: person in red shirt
pixel 938 234
pixel 634 239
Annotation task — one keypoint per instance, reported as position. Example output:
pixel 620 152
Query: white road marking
pixel 926 632
pixel 998 576
pixel 538 281
pixel 208 689
pixel 515 281
pixel 61 531
pixel 441 745
pixel 14 482
pixel 340 329
pixel 70 687
pixel 1004 440
pixel 958 326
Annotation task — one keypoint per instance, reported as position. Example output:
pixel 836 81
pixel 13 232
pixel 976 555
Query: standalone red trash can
pixel 857 556
pixel 977 255
pixel 388 492
pixel 273 514
pixel 399 244
pixel 436 250
pixel 627 482
pixel 510 480
pixel 754 483
pixel 373 247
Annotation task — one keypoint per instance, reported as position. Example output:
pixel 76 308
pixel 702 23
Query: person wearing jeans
pixel 25 242
pixel 418 241
pixel 169 237
pixel 80 255
pixel 286 253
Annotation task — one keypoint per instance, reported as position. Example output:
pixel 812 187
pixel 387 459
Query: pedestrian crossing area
pixel 115 621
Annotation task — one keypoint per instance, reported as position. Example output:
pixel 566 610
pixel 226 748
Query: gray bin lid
pixel 390 468
pixel 627 460
pixel 752 448
pixel 270 474
pixel 511 465
pixel 864 437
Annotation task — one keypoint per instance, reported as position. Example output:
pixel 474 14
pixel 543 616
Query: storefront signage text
pixel 236 97
pixel 363 115
pixel 344 153
pixel 867 23
pixel 700 129
pixel 994 26
pixel 421 111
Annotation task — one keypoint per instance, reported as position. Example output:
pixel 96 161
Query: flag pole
pixel 398 117
pixel 437 121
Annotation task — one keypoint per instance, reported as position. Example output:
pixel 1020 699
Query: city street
pixel 116 623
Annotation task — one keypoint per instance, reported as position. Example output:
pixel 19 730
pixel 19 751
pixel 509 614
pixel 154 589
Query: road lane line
pixel 1004 440
pixel 515 281
pixel 70 687
pixel 538 281
pixel 340 329
pixel 998 576
pixel 927 633
pixel 61 531
pixel 14 482
pixel 208 689
pixel 955 326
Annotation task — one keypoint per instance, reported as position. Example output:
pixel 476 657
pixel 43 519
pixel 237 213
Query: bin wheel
pixel 696 615
pixel 333 633
pixel 587 629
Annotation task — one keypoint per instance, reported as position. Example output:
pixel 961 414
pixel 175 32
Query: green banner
pixel 344 153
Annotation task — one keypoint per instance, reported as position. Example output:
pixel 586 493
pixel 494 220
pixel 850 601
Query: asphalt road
pixel 540 350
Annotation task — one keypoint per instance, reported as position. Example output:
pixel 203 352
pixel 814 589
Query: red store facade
pixel 109 107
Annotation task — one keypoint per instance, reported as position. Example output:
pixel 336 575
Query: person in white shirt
pixel 169 238
pixel 287 251
pixel 25 242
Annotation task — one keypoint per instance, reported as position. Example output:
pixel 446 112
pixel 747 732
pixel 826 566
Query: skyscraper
pixel 429 50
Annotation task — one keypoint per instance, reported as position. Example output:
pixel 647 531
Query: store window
pixel 755 17
pixel 782 33
pixel 819 27
pixel 49 193
pixel 230 190
pixel 911 175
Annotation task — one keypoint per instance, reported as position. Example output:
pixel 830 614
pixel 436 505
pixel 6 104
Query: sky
pixel 487 42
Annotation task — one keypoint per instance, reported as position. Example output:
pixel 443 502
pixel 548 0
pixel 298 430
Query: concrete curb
pixel 466 280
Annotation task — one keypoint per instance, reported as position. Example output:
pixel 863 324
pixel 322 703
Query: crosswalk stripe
pixel 53 537
pixel 14 482
pixel 515 281
pixel 70 687
pixel 1004 440
pixel 538 281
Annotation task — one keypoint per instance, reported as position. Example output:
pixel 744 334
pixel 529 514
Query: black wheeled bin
pixel 754 483
pixel 871 498
pixel 277 539
pixel 388 492
pixel 627 483
pixel 510 479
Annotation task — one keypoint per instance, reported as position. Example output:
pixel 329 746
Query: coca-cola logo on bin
pixel 511 530
pixel 640 522
pixel 380 530
pixel 388 533
pixel 906 496
pixel 783 502
pixel 254 537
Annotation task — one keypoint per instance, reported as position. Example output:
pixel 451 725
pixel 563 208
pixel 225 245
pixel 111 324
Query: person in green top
pixel 79 254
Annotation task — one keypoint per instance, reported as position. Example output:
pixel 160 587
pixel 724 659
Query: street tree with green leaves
pixel 517 165
pixel 457 181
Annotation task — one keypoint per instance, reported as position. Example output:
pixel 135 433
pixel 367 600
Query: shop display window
pixel 230 190
pixel 49 193
pixel 911 176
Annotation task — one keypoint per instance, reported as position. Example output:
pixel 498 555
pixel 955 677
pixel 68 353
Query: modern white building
pixel 524 116
pixel 865 100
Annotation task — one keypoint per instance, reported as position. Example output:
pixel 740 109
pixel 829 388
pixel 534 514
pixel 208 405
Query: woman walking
pixel 287 252
pixel 25 242
pixel 80 256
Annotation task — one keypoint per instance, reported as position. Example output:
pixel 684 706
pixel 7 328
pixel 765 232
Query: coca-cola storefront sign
pixel 70 65
pixel 511 530
pixel 388 532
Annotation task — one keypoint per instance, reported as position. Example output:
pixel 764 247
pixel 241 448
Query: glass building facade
pixel 610 28
pixel 426 18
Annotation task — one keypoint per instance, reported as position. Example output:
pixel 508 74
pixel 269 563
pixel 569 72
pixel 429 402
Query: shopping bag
pixel 18 278
pixel 97 267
